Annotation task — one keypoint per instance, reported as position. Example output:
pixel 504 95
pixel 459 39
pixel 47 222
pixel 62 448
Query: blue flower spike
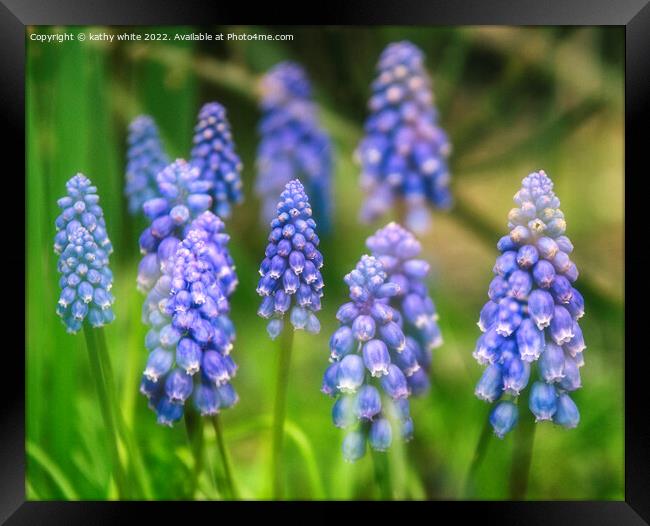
pixel 182 197
pixel 532 316
pixel 145 158
pixel 83 247
pixel 191 335
pixel 214 155
pixel 398 251
pixel 291 281
pixel 370 388
pixel 293 145
pixel 404 152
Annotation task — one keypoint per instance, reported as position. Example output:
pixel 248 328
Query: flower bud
pixel 542 401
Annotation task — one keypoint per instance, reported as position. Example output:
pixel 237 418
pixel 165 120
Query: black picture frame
pixel 634 15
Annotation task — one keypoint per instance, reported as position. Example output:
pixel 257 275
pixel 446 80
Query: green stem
pixel 194 427
pixel 225 458
pixel 477 459
pixel 132 449
pixel 382 475
pixel 521 458
pixel 104 404
pixel 279 411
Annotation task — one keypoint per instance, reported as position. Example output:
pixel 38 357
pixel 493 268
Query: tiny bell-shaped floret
pixel 551 363
pixel 381 434
pixel 354 445
pixel 490 386
pixel 376 357
pixel 516 373
pixel 368 402
pixel 330 381
pixel 542 401
pixel 344 411
pixel 350 373
pixel 394 383
pixel 530 341
pixel 567 414
pixel 504 417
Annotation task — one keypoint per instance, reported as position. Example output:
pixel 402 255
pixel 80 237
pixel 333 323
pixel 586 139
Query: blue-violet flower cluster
pixel 83 247
pixel 365 377
pixel 191 334
pixel 397 249
pixel 532 315
pixel 404 152
pixel 215 157
pixel 293 144
pixel 145 158
pixel 291 278
pixel 183 196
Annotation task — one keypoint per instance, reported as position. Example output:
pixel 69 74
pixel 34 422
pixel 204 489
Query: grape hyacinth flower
pixel 293 144
pixel 369 387
pixel 146 157
pixel 216 159
pixel 532 315
pixel 398 250
pixel 403 155
pixel 83 247
pixel 191 334
pixel 291 280
pixel 183 196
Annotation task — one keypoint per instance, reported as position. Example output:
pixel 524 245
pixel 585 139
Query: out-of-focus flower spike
pixel 410 309
pixel 403 155
pixel 182 198
pixel 214 155
pixel 293 145
pixel 145 158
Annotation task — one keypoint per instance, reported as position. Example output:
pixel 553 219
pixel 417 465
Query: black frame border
pixel 16 15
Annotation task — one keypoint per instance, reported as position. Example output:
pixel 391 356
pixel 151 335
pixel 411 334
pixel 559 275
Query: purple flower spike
pixel 403 155
pixel 183 196
pixel 146 157
pixel 291 281
pixel 374 365
pixel 293 144
pixel 191 335
pixel 398 250
pixel 215 157
pixel 530 324
pixel 83 247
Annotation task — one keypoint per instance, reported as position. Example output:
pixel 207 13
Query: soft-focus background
pixel 513 100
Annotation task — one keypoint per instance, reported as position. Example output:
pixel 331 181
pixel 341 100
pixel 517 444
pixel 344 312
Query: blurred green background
pixel 513 100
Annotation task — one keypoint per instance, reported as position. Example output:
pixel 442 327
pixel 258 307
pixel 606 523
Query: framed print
pixel 381 256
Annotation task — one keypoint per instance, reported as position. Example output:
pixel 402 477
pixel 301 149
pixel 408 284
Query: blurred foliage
pixel 512 100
